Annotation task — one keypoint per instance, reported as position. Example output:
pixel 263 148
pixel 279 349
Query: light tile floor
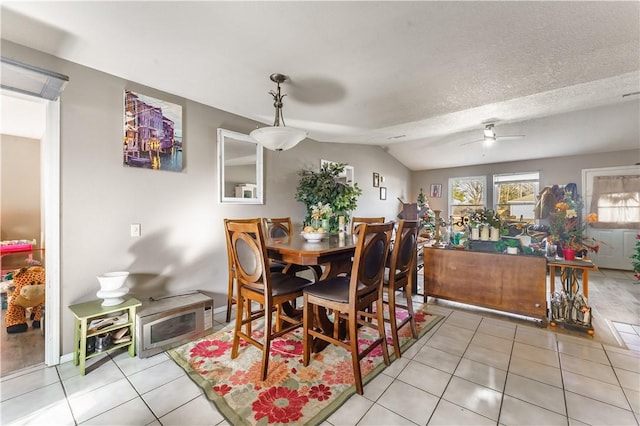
pixel 470 369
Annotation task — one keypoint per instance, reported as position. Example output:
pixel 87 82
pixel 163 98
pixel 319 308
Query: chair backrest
pixel 405 247
pixel 247 247
pixel 355 221
pixel 277 227
pixel 372 249
pixel 230 260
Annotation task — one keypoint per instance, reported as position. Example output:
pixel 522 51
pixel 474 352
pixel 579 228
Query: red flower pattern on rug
pixel 280 404
pixel 292 394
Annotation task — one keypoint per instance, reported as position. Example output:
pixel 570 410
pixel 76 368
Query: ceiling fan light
pixel 488 132
pixel 278 138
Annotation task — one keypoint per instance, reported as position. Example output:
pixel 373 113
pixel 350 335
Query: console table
pixel 504 282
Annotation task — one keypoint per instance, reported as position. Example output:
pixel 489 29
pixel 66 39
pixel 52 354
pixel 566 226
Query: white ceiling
pixel 365 72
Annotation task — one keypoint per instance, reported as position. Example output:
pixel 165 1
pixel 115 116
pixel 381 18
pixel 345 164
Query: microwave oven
pixel 167 322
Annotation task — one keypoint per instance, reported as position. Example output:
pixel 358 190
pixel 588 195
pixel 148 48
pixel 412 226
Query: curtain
pixel 616 200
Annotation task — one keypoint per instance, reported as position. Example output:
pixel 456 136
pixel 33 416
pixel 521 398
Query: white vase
pixel 494 234
pixel 484 233
pixel 525 240
pixel 512 250
pixel 475 234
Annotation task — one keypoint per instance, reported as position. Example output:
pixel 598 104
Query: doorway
pixel 619 243
pixel 18 112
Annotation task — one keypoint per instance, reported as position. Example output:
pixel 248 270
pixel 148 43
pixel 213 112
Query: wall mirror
pixel 239 168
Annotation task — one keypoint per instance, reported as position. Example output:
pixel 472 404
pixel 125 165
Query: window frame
pixel 451 181
pixel 535 180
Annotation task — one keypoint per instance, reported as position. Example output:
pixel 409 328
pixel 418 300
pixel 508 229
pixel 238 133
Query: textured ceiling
pixel 365 72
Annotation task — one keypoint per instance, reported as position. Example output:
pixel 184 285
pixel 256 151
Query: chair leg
pixel 391 295
pixel 249 314
pixel 230 300
pixel 266 347
pixel 355 354
pixel 380 320
pixel 307 324
pixel 238 327
pixel 412 318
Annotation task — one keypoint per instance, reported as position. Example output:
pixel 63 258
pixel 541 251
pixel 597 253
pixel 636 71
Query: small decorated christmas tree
pixel 636 259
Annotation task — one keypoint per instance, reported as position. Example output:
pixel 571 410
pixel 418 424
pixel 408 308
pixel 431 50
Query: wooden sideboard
pixel 510 283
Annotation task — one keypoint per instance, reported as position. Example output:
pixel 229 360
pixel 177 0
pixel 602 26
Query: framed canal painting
pixel 152 133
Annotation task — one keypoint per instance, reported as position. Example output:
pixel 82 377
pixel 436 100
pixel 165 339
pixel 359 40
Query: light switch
pixel 135 229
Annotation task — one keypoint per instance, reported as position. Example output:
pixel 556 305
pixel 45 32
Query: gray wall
pixel 20 190
pixel 182 246
pixel 560 170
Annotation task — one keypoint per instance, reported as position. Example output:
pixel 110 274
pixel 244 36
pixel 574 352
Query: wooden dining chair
pixel 277 228
pixel 355 221
pixel 399 276
pixel 256 284
pixel 231 299
pixel 282 227
pixel 350 297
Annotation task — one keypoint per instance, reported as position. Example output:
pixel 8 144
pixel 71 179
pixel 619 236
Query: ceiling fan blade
pixel 469 143
pixel 509 137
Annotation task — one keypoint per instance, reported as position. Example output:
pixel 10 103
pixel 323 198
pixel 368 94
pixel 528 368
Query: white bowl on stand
pixel 112 287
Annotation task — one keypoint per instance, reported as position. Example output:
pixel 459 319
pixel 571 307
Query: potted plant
pixel 508 244
pixel 512 245
pixel 325 187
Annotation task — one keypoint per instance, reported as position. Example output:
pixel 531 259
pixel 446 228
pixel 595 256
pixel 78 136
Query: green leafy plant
pixel 326 187
pixel 512 242
pixel 503 243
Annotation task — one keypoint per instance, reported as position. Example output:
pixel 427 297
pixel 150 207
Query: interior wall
pixel 182 246
pixel 559 170
pixel 20 188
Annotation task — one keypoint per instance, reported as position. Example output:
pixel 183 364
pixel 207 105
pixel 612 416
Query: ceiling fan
pixel 490 136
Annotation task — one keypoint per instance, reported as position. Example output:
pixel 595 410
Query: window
pixel 514 195
pixel 616 200
pixel 466 193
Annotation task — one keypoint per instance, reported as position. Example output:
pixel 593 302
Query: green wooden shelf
pixel 87 311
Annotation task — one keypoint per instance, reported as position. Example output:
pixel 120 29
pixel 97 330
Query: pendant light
pixel 278 137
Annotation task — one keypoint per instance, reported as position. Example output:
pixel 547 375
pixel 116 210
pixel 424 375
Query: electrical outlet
pixel 135 229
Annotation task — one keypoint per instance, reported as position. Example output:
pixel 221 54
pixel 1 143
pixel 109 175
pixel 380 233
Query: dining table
pixel 331 256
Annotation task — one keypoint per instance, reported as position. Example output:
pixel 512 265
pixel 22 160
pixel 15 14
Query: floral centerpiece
pixel 321 213
pixel 328 188
pixel 484 217
pixel 568 230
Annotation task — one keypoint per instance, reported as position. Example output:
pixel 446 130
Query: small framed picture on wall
pixel 383 193
pixel 376 180
pixel 436 190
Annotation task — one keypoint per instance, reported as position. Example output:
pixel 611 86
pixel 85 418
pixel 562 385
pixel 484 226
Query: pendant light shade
pixel 278 137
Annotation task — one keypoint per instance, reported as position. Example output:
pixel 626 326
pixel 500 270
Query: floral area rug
pixel 292 394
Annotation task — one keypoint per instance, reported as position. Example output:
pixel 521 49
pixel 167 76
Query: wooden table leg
pixel 585 282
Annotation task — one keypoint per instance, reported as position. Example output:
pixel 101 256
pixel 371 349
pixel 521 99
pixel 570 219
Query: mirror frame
pixel 223 134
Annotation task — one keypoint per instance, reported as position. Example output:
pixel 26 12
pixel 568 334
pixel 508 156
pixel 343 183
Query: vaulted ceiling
pixel 420 79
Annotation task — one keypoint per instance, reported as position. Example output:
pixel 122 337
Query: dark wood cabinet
pixel 510 283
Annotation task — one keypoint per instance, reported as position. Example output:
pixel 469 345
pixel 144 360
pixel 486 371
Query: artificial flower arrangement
pixel 566 227
pixel 321 211
pixel 482 217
